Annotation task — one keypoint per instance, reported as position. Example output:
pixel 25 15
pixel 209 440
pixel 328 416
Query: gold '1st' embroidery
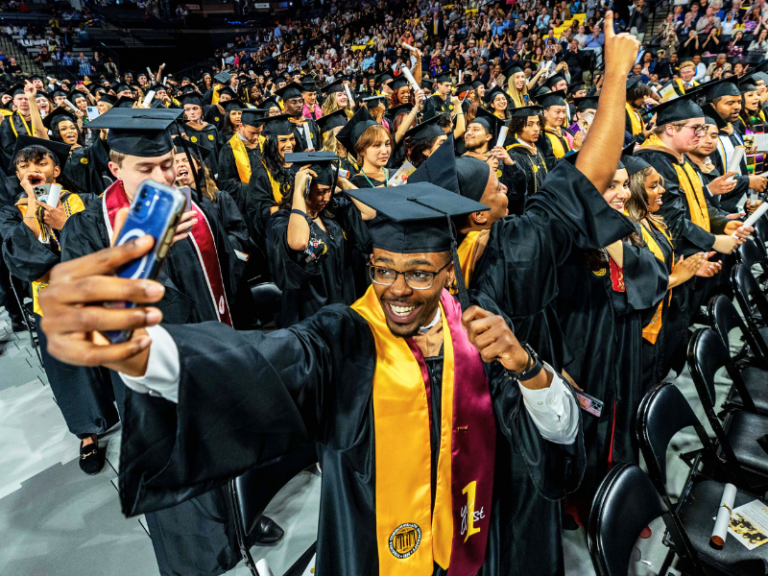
pixel 468 514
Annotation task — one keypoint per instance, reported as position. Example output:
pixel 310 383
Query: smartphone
pixel 92 112
pixel 589 403
pixel 187 196
pixel 155 210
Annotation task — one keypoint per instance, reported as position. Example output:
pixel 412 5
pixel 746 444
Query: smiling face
pixel 617 193
pixel 499 103
pixel 68 132
pixel 476 136
pixel 554 115
pixel 405 309
pixel 751 101
pixel 285 145
pixel 653 189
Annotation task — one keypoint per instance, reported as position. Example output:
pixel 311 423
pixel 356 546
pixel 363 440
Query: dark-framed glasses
pixel 416 279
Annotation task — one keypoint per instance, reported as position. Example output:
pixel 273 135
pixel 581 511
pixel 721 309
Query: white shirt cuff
pixel 163 368
pixel 553 410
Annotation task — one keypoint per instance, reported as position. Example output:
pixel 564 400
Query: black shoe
pixel 91 461
pixel 267 532
pixel 18 326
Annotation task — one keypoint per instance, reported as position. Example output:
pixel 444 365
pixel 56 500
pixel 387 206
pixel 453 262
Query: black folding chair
pixel 663 413
pixel 625 503
pixel 761 230
pixel 29 319
pixel 751 362
pixel 752 301
pixel 752 254
pixel 251 492
pixel 268 299
pixel 737 436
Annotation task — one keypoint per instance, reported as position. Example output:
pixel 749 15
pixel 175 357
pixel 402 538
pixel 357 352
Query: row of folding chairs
pixel 628 500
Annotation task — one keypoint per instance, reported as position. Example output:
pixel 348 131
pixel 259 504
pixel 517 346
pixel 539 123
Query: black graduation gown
pixel 544 144
pixel 86 166
pixel 8 138
pixel 83 394
pixel 603 329
pixel 197 536
pixel 519 266
pixel 330 279
pixel 208 138
pixel 528 179
pixel 313 382
pixel 435 105
pixel 314 132
pixel 728 201
pixel 656 356
pixel 213 115
pixel 362 181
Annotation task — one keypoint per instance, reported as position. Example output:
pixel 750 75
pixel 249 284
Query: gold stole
pixel 402 442
pixel 276 192
pixel 71 204
pixel 651 331
pixel 215 96
pixel 467 252
pixel 558 148
pixel 242 162
pixel 682 88
pixel 634 119
pixel 690 183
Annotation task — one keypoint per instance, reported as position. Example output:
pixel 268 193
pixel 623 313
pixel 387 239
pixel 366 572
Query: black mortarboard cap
pixel 427 83
pixel 510 70
pixel 278 125
pixel 383 78
pixel 709 120
pixel 439 169
pixel 58 115
pixel 552 99
pixel 14 90
pixel 231 105
pixel 268 103
pixel 490 122
pixel 492 93
pixel 554 80
pixel 137 131
pixel 442 77
pixel 632 163
pixel 375 101
pixel 119 88
pixel 125 102
pixel 308 84
pixel 718 88
pixel 321 163
pixel 108 98
pixel 392 113
pixel 333 120
pixel 682 108
pixel 466 87
pixel 192 98
pixel 399 82
pixel 290 91
pixel 747 84
pixel 253 117
pixel 632 82
pixel 223 78
pixel 359 123
pixel 60 150
pixel 526 111
pixel 427 130
pixel 335 85
pixel 200 152
pixel 59 94
pixel 228 91
pixel 586 103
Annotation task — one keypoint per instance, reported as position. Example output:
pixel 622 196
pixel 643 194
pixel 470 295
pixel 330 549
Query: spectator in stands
pixel 691 45
pixel 709 22
pixel 712 43
pixel 67 60
pixel 638 20
pixel 597 39
pixel 701 68
pixel 760 46
pixel 12 67
pixel 728 25
pixel 718 66
pixel 83 65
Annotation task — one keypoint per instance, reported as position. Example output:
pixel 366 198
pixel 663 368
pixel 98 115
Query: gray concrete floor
pixel 55 520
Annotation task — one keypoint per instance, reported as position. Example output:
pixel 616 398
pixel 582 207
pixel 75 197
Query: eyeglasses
pixel 416 279
pixel 697 130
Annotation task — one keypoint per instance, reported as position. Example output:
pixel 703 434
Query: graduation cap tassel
pixel 462 294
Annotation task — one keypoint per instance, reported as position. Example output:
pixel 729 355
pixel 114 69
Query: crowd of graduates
pixel 578 225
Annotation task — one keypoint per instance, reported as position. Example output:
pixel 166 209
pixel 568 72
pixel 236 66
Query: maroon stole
pixel 473 453
pixel 202 240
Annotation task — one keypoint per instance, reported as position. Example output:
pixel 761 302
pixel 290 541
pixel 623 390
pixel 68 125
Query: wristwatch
pixel 532 367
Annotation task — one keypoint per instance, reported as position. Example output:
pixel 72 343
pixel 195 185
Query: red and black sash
pixel 202 240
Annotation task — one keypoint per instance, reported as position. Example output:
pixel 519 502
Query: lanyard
pixel 386 179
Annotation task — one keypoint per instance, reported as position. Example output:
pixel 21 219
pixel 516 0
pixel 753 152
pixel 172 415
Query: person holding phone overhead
pixel 31 232
pixel 198 280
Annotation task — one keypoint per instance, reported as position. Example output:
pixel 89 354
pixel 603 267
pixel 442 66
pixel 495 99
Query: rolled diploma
pixel 410 77
pixel 307 134
pixel 502 136
pixel 720 531
pixel 460 73
pixel 755 216
pixel 54 195
pixel 262 567
pixel 71 106
pixel 408 47
pixel 735 164
pixel 148 97
pixel 149 71
pixel 349 94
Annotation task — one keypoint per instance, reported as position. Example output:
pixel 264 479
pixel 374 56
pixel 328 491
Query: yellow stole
pixel 651 331
pixel 276 192
pixel 466 251
pixel 71 204
pixel 242 162
pixel 557 143
pixel 690 184
pixel 634 119
pixel 403 457
pixel 215 96
pixel 682 88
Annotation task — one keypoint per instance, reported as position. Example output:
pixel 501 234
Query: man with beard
pixel 480 141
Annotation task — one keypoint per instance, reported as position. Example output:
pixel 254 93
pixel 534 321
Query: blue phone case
pixel 155 211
